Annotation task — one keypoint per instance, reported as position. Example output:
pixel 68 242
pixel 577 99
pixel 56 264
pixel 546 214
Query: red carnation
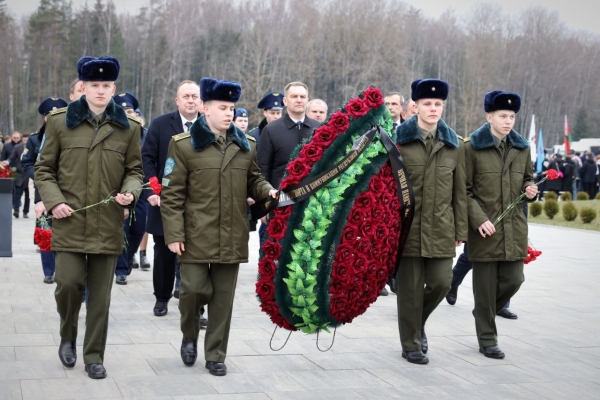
pixel 356 216
pixel 272 249
pixel 338 286
pixel 265 288
pixel 290 181
pixel 373 97
pixel 324 136
pixel 43 238
pixel 360 265
pixel 349 233
pixel 276 228
pixel 356 107
pixel 283 212
pixel 267 268
pixel 339 121
pixel 551 174
pixel 339 271
pixel 298 168
pixel 154 185
pixel 364 246
pixel 312 152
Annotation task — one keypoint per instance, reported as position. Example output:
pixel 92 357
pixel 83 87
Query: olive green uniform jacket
pixel 492 184
pixel 438 181
pixel 203 200
pixel 79 166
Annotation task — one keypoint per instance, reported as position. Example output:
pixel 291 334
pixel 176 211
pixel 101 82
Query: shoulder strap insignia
pixel 467 139
pixel 134 118
pixel 460 137
pixel 58 111
pixel 250 138
pixel 181 136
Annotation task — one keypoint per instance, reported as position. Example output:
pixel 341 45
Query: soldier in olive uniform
pixel 498 171
pixel 435 159
pixel 91 150
pixel 208 174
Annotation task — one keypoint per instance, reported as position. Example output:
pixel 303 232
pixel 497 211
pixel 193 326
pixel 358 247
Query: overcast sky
pixel 577 14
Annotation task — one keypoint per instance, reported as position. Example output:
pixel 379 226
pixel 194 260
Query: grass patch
pixel 559 220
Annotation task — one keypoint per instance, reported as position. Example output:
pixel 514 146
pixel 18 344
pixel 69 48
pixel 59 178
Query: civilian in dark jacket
pixel 15 139
pixel 154 158
pixel 279 138
pixel 569 170
pixel 21 181
pixel 588 175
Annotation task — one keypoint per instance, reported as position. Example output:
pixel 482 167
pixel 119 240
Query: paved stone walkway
pixel 553 349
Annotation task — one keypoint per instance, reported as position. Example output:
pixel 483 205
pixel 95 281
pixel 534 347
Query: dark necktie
pixel 429 143
pixel 502 149
pixel 299 124
pixel 187 126
pixel 395 125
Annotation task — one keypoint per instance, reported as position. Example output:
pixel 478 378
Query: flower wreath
pixel 326 258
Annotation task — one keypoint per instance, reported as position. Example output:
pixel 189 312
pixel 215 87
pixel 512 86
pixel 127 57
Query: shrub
pixel 569 211
pixel 550 196
pixel 566 196
pixel 583 196
pixel 535 209
pixel 597 196
pixel 588 214
pixel 551 208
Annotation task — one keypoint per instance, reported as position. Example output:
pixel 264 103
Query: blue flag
pixel 540 152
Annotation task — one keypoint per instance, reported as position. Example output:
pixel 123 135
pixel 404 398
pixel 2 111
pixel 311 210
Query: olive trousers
pixel 75 271
pixel 494 283
pixel 212 285
pixel 421 284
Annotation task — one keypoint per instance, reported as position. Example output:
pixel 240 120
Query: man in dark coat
pixel 154 157
pixel 498 171
pixel 15 139
pixel 21 181
pixel 588 173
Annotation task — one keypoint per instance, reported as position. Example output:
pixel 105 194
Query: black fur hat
pixel 501 100
pixel 429 89
pixel 98 69
pixel 212 89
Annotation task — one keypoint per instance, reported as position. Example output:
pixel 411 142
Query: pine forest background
pixel 336 48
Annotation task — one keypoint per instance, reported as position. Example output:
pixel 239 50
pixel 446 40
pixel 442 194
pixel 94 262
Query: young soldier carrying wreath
pixel 498 171
pixel 435 158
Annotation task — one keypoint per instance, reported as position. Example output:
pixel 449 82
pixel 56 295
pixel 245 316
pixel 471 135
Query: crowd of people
pixel 580 172
pixel 211 171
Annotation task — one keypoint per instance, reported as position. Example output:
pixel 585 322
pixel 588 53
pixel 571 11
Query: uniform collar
pixel 482 138
pixel 202 136
pixel 79 111
pixel 409 132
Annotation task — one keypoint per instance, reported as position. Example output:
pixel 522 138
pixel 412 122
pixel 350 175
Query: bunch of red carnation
pixel 43 238
pixel 366 255
pixel 532 254
pixel 154 185
pixel 6 172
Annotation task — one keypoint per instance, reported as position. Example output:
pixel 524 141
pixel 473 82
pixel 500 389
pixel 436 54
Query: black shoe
pixel 424 344
pixel 160 308
pixel 16 214
pixel 133 263
pixel 49 279
pixel 506 313
pixel 121 280
pixel 492 352
pixel 144 264
pixel 216 368
pixel 176 293
pixel 392 284
pixel 25 215
pixel 451 296
pixel 415 357
pixel 96 371
pixel 189 351
pixel 384 292
pixel 67 352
